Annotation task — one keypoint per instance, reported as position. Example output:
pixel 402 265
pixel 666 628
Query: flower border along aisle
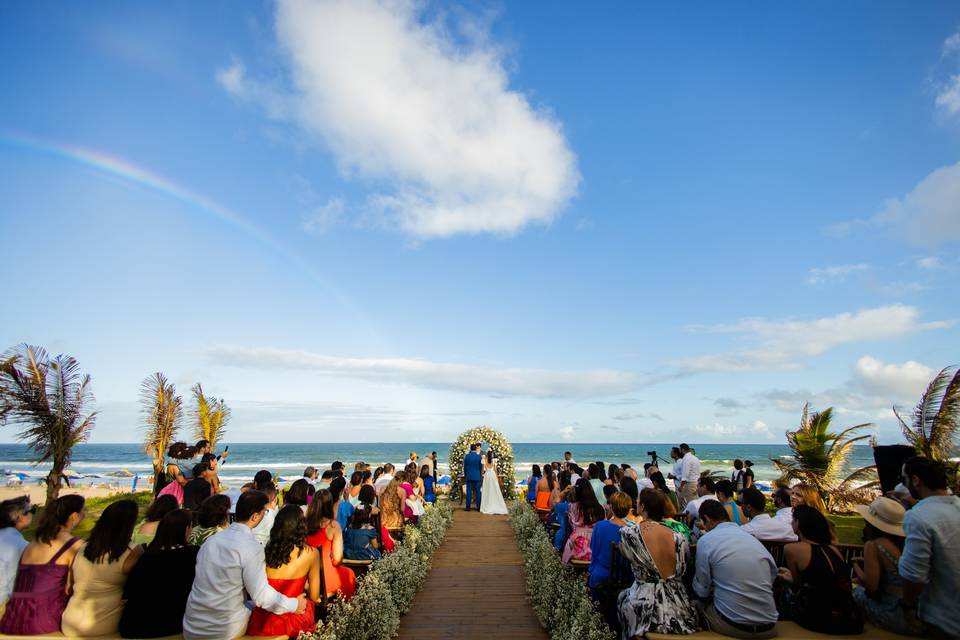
pixel 558 595
pixel 386 591
pixel 502 449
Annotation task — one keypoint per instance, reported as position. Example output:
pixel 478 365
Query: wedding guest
pixel 99 572
pixel 930 564
pixel 670 515
pixel 179 469
pixel 15 516
pixel 819 596
pixel 336 468
pixel 262 477
pixel 392 504
pixel 353 493
pixel 605 533
pixel 676 472
pixel 325 479
pixel 657 600
pixel 325 535
pixel 880 586
pixel 584 513
pixel 211 473
pixel 761 525
pixel 262 531
pixel 342 508
pixel 535 476
pixel 203 447
pixel 613 475
pixel 428 482
pixel 596 476
pixel 297 494
pixel 311 474
pixel 214 517
pixel 804 494
pixel 412 503
pixel 291 565
pixel 724 490
pixel 368 496
pixel 198 488
pixel 545 488
pixel 629 486
pixel 229 564
pixel 418 487
pixel 360 540
pixel 748 478
pixel 575 473
pixel 411 460
pixel 736 478
pixel 706 490
pixel 734 578
pixel 781 500
pixel 39 593
pixel 169 563
pixel 559 516
pixel 381 483
pixel 160 507
pixel 689 475
pixel 568 458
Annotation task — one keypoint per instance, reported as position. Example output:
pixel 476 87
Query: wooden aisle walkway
pixel 476 587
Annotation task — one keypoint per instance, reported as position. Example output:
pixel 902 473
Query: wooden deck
pixel 476 587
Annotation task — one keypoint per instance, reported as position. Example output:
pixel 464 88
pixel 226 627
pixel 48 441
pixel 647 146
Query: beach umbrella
pixel 70 473
pixel 122 473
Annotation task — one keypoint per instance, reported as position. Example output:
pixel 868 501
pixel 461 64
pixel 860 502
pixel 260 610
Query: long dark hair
pixel 195 492
pixel 360 517
pixel 367 495
pixel 659 482
pixel 111 535
pixel 297 493
pixel 288 533
pixel 171 532
pixel 356 478
pixel 589 507
pixel 812 524
pixel 534 472
pixel 55 516
pixel 181 451
pixel 629 486
pixel 214 511
pixel 548 474
pixel 319 510
pixel 161 507
pixel 490 457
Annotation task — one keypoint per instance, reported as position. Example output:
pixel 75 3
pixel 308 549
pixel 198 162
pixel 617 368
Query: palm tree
pixel 211 415
pixel 49 397
pixel 936 421
pixel 162 412
pixel 819 460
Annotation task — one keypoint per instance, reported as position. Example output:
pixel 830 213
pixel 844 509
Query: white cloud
pixel 928 263
pixel 720 431
pixel 428 122
pixel 948 96
pixel 638 416
pixel 232 78
pixel 727 407
pixel 823 275
pixel 783 342
pixel 759 427
pixel 324 217
pixel 952 43
pixel 541 383
pixel 567 434
pixel 893 381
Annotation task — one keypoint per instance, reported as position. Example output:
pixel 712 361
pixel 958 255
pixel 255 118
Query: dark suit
pixel 472 473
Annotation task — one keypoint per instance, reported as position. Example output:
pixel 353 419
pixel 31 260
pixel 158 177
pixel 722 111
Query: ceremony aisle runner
pixel 476 586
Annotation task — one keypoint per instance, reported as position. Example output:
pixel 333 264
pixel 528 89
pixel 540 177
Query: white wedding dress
pixel 491 499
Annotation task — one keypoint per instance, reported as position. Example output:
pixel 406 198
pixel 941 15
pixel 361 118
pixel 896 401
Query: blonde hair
pixel 811 497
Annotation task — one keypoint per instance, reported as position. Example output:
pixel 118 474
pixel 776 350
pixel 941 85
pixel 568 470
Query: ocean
pixel 94 463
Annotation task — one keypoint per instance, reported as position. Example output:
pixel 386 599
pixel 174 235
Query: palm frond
pixel 162 411
pixel 210 415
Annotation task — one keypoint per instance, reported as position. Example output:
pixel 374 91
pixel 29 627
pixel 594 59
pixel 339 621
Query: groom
pixel 472 474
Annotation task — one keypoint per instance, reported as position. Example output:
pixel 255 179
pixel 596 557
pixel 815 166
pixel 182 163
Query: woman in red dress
pixel 324 534
pixel 292 564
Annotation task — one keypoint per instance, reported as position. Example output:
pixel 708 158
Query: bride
pixel 491 498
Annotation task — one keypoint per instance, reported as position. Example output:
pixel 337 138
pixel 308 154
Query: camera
pixel 653 456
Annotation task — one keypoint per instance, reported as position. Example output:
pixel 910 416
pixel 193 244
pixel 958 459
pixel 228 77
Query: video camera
pixel 653 457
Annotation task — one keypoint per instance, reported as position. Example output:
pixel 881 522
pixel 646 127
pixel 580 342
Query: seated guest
pixel 412 502
pixel 325 479
pixel 608 491
pixel 804 494
pixel 40 590
pixel 262 477
pixel 353 493
pixel 545 487
pixel 210 474
pixel 583 514
pixel 381 482
pixel 155 595
pixel 706 490
pixel 669 516
pixel 310 474
pixel 629 486
pixel 606 532
pixel 596 476
pixel 230 564
pixel 391 505
pixel 819 596
pixel 535 476
pixel 368 495
pixel 297 494
pixel 213 518
pixel 781 500
pixel 360 540
pixel 262 530
pixel 155 512
pixel 428 482
pixel 725 496
pixel 880 587
pixel 341 507
pixel 291 565
pixel 930 564
pixel 657 600
pixel 614 474
pixel 762 526
pixel 324 534
pixel 734 578
pixel 560 517
pixel 198 489
pixel 15 516
pixel 100 571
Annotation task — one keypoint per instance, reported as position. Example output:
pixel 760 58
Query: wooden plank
pixel 476 587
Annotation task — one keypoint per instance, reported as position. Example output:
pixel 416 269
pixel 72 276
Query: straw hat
pixel 885 514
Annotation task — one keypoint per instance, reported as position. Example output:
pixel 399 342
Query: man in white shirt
pixel 677 471
pixel 15 516
pixel 689 475
pixel 262 531
pixel 568 458
pixel 761 525
pixel 705 491
pixel 781 500
pixel 384 478
pixel 229 564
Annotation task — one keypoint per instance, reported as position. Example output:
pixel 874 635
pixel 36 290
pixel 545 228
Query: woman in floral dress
pixel 657 600
pixel 583 514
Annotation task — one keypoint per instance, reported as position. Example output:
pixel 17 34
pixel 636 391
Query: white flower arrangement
pixel 558 596
pixel 501 448
pixel 386 591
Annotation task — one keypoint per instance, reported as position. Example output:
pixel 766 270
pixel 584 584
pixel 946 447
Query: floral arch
pixel 501 448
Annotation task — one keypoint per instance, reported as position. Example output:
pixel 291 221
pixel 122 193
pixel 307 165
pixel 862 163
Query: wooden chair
pixel 579 566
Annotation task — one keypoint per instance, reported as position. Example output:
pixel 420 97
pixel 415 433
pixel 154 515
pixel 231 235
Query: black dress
pixel 156 593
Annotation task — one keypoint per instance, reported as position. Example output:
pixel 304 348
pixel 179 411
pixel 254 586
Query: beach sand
pixel 38 493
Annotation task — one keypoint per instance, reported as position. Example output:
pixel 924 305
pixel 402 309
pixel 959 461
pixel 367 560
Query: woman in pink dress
pixel 292 565
pixel 583 514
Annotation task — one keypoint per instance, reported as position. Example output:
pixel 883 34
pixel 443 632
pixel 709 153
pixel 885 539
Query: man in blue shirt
pixel 930 562
pixel 734 578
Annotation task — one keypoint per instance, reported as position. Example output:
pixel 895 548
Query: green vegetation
pixel 211 415
pixel 936 421
pixel 95 507
pixel 163 411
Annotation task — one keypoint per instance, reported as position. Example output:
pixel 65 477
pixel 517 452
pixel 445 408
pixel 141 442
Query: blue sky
pixel 362 221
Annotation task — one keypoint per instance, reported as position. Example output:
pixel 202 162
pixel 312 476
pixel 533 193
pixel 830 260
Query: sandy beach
pixel 38 493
